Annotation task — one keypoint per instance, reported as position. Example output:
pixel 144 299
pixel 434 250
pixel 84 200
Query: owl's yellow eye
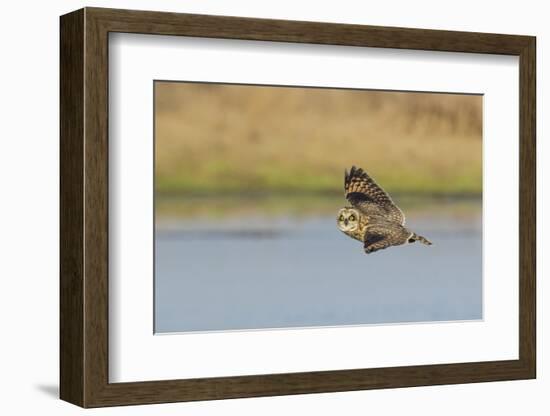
pixel 352 217
pixel 341 218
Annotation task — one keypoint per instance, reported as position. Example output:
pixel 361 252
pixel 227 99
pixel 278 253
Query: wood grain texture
pixel 72 215
pixel 226 27
pixel 96 218
pixel 84 207
pixel 528 207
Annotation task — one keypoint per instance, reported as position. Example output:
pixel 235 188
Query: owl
pixel 372 218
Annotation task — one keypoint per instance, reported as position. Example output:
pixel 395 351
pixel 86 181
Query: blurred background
pixel 248 180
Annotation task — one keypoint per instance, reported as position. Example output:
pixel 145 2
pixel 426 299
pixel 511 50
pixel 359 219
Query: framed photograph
pixel 254 207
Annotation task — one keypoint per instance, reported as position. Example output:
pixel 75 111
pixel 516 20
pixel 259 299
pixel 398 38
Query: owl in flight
pixel 373 218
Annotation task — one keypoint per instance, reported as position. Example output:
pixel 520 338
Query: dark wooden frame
pixel 84 207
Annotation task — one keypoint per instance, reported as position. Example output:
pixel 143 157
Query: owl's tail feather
pixel 423 240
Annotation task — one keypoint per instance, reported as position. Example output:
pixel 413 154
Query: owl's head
pixel 348 219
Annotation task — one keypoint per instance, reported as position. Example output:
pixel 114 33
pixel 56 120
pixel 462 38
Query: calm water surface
pixel 253 273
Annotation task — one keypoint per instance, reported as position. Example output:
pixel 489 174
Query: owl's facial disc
pixel 348 219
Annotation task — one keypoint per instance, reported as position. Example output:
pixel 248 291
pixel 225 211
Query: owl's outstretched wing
pixel 364 194
pixel 375 241
pixel 382 235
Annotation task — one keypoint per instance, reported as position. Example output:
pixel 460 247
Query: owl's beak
pixel 346 222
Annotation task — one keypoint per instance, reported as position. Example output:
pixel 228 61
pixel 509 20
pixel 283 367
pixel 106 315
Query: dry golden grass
pixel 225 138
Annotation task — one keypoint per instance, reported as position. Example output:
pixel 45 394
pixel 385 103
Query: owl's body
pixel 373 218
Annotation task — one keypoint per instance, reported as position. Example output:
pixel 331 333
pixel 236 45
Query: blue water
pixel 280 273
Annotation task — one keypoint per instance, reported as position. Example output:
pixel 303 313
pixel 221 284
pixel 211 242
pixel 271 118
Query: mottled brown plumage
pixel 373 217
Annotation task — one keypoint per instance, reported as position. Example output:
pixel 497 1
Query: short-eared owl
pixel 373 218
